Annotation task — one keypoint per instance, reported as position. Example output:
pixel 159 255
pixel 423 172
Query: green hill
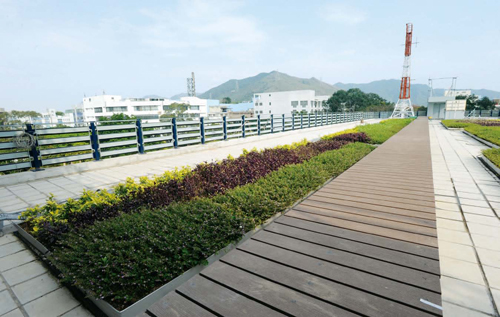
pixel 243 89
pixel 389 90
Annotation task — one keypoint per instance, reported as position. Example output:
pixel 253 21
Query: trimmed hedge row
pixel 127 257
pixel 50 222
pixel 378 133
pixel 480 128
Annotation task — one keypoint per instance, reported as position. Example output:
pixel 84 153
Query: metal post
pixel 202 129
pixel 140 138
pixel 174 132
pixel 309 120
pixel 283 122
pixel 224 125
pixel 315 119
pixel 258 124
pixel 302 121
pixel 272 124
pixel 322 117
pixel 34 153
pixel 243 126
pixel 293 121
pixel 379 114
pixel 94 141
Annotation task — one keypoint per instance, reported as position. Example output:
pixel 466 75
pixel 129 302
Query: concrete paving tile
pixel 470 196
pixel 484 230
pixel 52 304
pixel 485 220
pixel 474 202
pixel 493 198
pixel 452 310
pixel 7 303
pixel 10 202
pixel 24 272
pixel 478 210
pixel 457 251
pixel 11 248
pixel 486 242
pixel 14 313
pixel 454 236
pixel 450 224
pixel 489 257
pixel 447 206
pixel 8 238
pixel 14 208
pixel 493 276
pixel 446 199
pixel 444 192
pixel 462 270
pixel 446 214
pixel 496 296
pixel 16 259
pixel 34 288
pixel 3 286
pixel 79 311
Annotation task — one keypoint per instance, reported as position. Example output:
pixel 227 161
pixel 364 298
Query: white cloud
pixel 342 13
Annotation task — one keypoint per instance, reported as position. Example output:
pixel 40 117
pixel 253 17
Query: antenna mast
pixel 191 86
pixel 403 108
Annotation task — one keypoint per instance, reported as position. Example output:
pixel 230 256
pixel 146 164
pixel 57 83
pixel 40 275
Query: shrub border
pixel 103 308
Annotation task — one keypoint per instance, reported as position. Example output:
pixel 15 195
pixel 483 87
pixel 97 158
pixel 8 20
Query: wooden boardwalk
pixel 363 245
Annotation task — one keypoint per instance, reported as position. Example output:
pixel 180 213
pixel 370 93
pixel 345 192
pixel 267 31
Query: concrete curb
pixel 490 165
pixel 487 143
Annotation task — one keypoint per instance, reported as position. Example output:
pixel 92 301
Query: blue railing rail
pixel 103 139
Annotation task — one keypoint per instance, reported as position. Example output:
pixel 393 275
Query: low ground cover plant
pixel 378 133
pixel 51 221
pixel 127 257
pixel 480 128
pixel 493 155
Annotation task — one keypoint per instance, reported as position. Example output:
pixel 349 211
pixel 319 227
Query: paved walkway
pixel 468 205
pixel 364 244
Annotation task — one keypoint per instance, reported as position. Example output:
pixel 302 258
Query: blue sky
pixel 53 52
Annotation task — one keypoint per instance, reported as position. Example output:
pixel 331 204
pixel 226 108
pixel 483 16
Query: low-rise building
pixel 288 102
pixel 448 106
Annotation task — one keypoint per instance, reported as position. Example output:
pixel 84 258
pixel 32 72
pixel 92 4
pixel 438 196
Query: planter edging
pixel 490 165
pixel 487 143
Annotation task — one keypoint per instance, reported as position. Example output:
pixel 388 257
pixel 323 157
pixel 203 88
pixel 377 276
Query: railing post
pixel 174 132
pixel 283 122
pixel 272 123
pixel 140 139
pixel 309 120
pixel 94 141
pixel 243 126
pixel 293 121
pixel 258 124
pixel 302 121
pixel 202 129
pixel 379 113
pixel 322 117
pixel 315 119
pixel 34 153
pixel 224 126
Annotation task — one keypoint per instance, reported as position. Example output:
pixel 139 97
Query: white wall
pixel 285 102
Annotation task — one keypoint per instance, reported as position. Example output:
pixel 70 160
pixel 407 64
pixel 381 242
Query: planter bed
pixel 490 165
pixel 182 236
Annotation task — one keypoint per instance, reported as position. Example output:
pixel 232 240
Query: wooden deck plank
pixel 387 187
pixel 384 269
pixel 283 298
pixel 374 284
pixel 367 238
pixel 175 305
pixel 388 255
pixel 330 291
pixel 222 300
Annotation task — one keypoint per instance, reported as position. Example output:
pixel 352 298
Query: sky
pixel 53 53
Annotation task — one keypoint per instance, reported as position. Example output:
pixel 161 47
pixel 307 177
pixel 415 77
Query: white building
pixel 147 109
pixel 288 102
pixel 447 106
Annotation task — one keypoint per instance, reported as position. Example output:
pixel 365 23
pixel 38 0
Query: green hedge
pixel 125 258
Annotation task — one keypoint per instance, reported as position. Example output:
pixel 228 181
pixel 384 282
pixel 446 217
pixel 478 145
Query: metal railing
pixel 99 140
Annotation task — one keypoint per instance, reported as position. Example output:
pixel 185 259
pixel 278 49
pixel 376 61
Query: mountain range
pixel 240 90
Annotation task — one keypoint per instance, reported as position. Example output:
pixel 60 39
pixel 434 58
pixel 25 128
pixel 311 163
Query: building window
pixel 98 110
pixel 260 104
pixel 116 109
pixel 269 103
pixel 269 111
pixel 146 108
pixel 90 99
pixel 269 95
pixel 257 96
pixel 194 107
pixel 304 103
pixel 256 104
pixel 295 103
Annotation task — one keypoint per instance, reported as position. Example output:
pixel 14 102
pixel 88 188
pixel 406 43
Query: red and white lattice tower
pixel 403 108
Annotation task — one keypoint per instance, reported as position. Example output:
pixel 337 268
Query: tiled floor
pixel 468 225
pixel 28 289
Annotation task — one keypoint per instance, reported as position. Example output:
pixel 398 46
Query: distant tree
pixel 356 100
pixel 486 103
pixel 175 110
pixel 59 113
pixel 226 100
pixel 17 114
pixel 4 118
pixel 116 117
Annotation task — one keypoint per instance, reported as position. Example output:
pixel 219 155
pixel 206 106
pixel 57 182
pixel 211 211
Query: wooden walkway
pixel 363 245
